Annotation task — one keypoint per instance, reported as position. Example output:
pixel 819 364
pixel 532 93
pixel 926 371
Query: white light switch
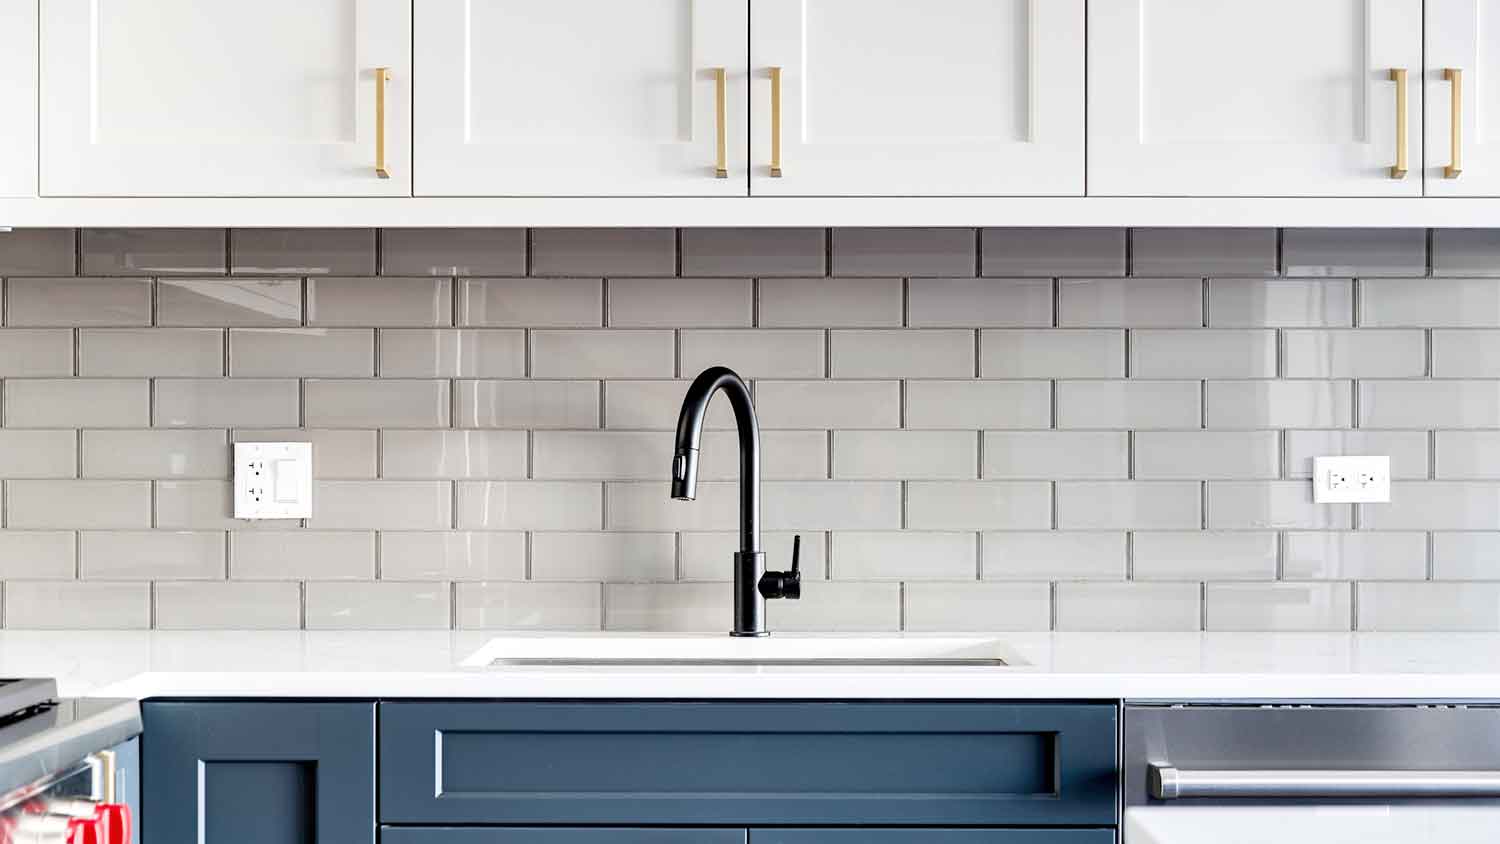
pixel 1364 480
pixel 273 480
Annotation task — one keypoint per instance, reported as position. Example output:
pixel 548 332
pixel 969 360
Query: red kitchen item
pixel 85 831
pixel 114 820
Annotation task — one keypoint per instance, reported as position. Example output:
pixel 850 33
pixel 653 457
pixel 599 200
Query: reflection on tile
pixel 77 403
pixel 1280 302
pixel 1471 252
pixel 302 251
pixel 226 403
pixel 1132 303
pixel 452 555
pixel 979 302
pixel 153 251
pixel 531 302
pixel 229 302
pixel 527 404
pixel 452 252
pixel 1354 252
pixel 151 555
pixel 381 302
pixel 451 353
pixel 156 454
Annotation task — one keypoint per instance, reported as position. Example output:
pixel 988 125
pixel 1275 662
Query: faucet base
pixel 762 634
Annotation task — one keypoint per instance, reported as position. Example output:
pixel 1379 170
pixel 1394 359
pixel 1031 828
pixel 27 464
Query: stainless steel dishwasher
pixel 1377 774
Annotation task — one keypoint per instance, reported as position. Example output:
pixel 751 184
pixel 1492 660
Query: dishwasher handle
pixel 1169 783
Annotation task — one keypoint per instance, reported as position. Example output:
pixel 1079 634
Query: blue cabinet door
pixel 557 835
pixel 738 764
pixel 258 773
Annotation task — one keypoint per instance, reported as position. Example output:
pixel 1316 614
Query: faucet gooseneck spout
pixel 752 583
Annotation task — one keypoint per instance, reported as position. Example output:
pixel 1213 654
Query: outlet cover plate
pixel 1352 480
pixel 273 480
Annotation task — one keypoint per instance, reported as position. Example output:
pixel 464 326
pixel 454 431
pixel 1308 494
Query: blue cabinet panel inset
pixel 258 773
pixel 558 835
pixel 738 764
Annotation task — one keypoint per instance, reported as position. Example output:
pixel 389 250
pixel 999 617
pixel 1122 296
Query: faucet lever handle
pixel 784 584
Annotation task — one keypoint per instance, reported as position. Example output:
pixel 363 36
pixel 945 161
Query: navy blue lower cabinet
pixel 742 764
pixel 258 773
pixel 557 835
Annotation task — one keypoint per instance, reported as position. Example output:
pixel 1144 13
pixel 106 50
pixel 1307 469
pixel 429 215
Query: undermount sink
pixel 779 649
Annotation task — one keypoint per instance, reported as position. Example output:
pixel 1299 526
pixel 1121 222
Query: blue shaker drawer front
pixel 557 835
pixel 738 764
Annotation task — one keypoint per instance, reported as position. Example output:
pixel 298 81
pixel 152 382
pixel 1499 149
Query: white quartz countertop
pixel 1164 666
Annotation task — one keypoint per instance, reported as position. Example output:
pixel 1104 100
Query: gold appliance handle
pixel 382 76
pixel 721 146
pixel 1398 170
pixel 1455 77
pixel 776 122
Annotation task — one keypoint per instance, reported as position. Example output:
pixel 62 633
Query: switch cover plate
pixel 1361 480
pixel 273 480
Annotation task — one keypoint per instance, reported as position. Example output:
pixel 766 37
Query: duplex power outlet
pixel 1360 480
pixel 273 480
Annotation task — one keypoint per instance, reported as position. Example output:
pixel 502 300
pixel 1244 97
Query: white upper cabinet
pixel 938 98
pixel 1463 87
pixel 18 98
pixel 581 97
pixel 1262 98
pixel 194 98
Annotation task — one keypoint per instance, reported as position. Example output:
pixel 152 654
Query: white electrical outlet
pixel 1363 480
pixel 273 480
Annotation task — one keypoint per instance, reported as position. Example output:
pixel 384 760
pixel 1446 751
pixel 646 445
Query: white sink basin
pixel 777 649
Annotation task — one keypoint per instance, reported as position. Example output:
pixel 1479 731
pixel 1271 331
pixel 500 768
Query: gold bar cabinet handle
pixel 1455 77
pixel 1398 76
pixel 776 122
pixel 382 76
pixel 721 145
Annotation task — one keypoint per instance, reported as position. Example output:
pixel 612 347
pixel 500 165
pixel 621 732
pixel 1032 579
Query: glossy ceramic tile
pixel 1354 252
pixel 1053 252
pixel 153 252
pixel 603 252
pixel 460 252
pixel 233 302
pixel 755 252
pixel 36 352
pixel 77 301
pixel 979 302
pixel 1203 252
pixel 38 252
pixel 302 251
pixel 904 252
pixel 831 302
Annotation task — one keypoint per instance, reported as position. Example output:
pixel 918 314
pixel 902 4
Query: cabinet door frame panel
pixel 1121 161
pixel 1049 161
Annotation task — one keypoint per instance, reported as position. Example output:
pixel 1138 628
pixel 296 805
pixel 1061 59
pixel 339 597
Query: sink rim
pixel 580 650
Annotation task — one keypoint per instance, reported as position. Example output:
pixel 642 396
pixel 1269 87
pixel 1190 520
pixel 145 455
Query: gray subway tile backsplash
pixel 973 430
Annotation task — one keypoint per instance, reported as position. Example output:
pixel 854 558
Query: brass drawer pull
pixel 1455 77
pixel 721 145
pixel 382 76
pixel 776 122
pixel 1398 76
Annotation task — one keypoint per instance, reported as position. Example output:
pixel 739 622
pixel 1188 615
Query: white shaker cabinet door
pixel 937 98
pixel 18 97
pixel 1463 88
pixel 1262 98
pixel 581 97
pixel 195 98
